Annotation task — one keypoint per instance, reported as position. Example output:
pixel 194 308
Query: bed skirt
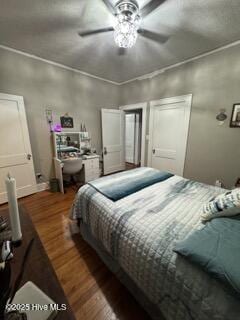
pixel 114 267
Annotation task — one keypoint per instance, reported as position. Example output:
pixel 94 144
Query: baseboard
pixel 42 186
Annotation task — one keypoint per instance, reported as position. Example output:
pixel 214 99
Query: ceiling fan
pixel 128 17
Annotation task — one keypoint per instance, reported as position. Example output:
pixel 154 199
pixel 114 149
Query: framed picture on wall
pixel 66 122
pixel 235 118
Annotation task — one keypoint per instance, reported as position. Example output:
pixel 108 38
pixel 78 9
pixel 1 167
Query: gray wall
pixel 44 85
pixel 213 151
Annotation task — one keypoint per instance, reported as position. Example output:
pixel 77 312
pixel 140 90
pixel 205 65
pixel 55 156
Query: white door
pixel 129 137
pixel 169 123
pixel 15 149
pixel 113 140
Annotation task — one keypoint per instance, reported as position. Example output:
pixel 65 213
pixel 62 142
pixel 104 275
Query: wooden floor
pixel 92 290
pixel 130 166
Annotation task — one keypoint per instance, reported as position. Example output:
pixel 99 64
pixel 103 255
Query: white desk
pixel 90 171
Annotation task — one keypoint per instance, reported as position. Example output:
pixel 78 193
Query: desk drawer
pixel 91 163
pixel 91 174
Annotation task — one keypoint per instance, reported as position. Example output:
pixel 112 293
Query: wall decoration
pixel 66 121
pixel 235 118
pixel 221 116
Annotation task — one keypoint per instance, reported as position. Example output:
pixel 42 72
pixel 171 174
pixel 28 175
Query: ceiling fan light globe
pixel 126 28
pixel 125 33
pixel 125 41
pixel 121 18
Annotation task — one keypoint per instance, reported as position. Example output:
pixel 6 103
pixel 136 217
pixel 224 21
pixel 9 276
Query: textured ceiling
pixel 48 29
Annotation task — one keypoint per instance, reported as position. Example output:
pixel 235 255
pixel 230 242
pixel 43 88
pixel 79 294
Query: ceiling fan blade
pixel 149 7
pixel 92 32
pixel 122 51
pixel 109 6
pixel 160 38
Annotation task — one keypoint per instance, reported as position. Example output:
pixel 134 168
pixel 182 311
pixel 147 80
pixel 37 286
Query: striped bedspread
pixel 139 232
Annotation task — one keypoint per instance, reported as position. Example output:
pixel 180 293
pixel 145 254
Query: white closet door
pixel 113 140
pixel 15 148
pixel 169 123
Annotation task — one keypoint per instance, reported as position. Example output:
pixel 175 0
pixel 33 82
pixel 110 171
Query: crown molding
pixel 139 78
pixel 162 70
pixel 32 56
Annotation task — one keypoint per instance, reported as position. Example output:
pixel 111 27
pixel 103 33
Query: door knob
pixel 153 151
pixel 29 156
pixel 105 150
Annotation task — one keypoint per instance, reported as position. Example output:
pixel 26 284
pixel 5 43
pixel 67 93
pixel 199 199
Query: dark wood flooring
pixel 130 166
pixel 92 290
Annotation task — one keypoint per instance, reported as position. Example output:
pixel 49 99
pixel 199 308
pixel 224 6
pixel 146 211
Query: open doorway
pixel 138 115
pixel 133 137
pixel 113 138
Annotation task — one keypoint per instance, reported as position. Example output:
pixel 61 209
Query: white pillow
pixel 226 204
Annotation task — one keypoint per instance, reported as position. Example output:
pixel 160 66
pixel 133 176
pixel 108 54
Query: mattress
pixel 139 233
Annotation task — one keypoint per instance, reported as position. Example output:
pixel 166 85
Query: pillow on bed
pixel 226 204
pixel 216 249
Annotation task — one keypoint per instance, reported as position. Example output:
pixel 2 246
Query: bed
pixel 135 237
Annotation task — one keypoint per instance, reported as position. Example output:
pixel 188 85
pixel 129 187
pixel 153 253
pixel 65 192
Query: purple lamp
pixel 57 127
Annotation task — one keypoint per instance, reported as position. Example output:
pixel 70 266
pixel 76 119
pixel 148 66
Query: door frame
pixel 143 106
pixel 166 103
pixel 26 190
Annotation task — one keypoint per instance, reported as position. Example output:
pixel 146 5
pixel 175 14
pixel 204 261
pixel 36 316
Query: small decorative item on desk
pixel 83 131
pixel 84 135
pixel 83 127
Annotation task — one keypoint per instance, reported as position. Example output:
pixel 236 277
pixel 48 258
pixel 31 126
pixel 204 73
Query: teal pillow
pixel 216 249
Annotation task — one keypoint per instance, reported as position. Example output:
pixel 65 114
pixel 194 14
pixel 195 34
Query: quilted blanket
pixel 139 232
pixel 120 185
